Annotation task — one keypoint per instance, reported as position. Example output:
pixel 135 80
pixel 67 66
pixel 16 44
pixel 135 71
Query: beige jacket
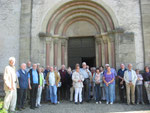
pixel 76 77
pixel 134 77
pixel 10 78
pixel 57 78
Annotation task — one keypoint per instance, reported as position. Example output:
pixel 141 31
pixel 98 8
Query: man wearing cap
pixel 10 86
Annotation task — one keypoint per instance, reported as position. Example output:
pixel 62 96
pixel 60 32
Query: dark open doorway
pixel 81 49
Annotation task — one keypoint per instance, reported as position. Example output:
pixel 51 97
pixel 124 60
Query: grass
pixel 1 106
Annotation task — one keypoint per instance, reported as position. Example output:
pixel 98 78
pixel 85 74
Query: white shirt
pixel 52 78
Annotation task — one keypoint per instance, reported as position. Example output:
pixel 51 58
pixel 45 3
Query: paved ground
pixel 68 107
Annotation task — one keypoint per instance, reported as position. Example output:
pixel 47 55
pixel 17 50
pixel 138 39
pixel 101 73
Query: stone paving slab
pixel 70 107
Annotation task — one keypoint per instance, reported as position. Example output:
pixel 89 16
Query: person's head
pixel 40 69
pixel 51 69
pixel 130 67
pixel 84 66
pixel 77 68
pixel 38 65
pixel 55 68
pixel 12 61
pixel 93 69
pixel 63 67
pixel 108 69
pixel 34 66
pixel 23 66
pixel 137 71
pixel 28 64
pixel 47 67
pixel 146 68
pixel 97 70
pixel 106 65
pixel 87 67
pixel 101 68
pixel 69 70
pixel 122 66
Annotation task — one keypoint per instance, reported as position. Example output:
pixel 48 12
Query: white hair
pixel 83 63
pixel 12 59
pixel 106 64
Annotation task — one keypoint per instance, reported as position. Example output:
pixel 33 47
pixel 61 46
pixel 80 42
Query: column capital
pixel 48 40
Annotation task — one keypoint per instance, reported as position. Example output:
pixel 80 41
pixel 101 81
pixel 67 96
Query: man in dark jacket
pixel 33 81
pixel 63 75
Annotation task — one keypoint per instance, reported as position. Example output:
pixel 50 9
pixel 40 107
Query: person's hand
pixel 130 83
pixel 30 87
pixel 138 78
pixel 121 82
pixel 107 84
pixel 39 86
pixel 79 80
pixel 9 88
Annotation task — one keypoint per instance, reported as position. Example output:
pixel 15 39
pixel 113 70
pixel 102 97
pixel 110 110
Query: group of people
pixel 35 84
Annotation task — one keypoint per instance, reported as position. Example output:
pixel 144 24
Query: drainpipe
pixel 142 31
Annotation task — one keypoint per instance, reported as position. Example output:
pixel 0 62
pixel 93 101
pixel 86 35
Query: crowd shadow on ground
pixel 70 107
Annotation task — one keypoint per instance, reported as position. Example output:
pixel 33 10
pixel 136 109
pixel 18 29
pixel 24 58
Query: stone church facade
pixel 56 32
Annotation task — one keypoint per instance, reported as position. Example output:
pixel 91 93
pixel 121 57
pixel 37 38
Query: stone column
pixel 48 49
pixel 104 37
pixel 64 49
pixel 98 51
pixel 56 52
pixel 112 42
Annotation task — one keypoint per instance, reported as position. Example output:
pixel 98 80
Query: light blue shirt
pixel 130 75
pixel 85 72
pixel 34 76
pixel 52 78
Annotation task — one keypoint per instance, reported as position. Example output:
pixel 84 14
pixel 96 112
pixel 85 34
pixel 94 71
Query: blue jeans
pixel 98 92
pixel 109 92
pixel 53 94
pixel 47 93
pixel 114 87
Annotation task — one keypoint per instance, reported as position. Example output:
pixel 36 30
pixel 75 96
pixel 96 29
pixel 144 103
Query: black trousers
pixel 122 91
pixel 63 92
pixel 86 92
pixel 21 97
pixel 33 93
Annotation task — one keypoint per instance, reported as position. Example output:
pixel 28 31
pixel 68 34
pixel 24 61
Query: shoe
pixel 96 102
pixel 58 102
pixel 128 103
pixel 111 103
pixel 137 103
pixel 76 103
pixel 81 102
pixel 100 102
pixel 143 103
pixel 23 108
pixel 133 103
pixel 32 108
pixel 107 102
pixel 39 105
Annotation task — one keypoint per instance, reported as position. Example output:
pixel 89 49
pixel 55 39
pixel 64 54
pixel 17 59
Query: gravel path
pixel 70 107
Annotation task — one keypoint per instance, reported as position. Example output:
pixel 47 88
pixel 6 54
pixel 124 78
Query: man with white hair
pixel 23 83
pixel 121 82
pixel 10 86
pixel 86 74
pixel 130 78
